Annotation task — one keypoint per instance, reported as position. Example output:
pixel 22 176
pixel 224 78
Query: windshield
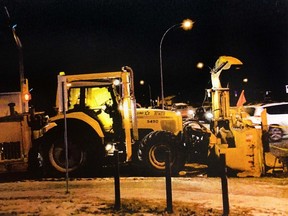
pixel 89 97
pixel 93 100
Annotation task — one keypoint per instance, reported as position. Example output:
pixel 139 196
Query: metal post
pixel 168 183
pixel 65 136
pixel 224 183
pixel 117 181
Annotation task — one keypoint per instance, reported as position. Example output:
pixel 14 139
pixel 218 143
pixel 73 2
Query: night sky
pixel 83 36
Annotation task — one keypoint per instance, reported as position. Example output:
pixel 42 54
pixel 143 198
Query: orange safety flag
pixel 241 99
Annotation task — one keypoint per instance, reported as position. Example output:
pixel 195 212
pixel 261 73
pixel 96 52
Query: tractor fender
pixel 49 126
pixel 81 117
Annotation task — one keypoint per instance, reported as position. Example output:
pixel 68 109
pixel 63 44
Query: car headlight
pixel 208 115
pixel 190 112
pixel 178 112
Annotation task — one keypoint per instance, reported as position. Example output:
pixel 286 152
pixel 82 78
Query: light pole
pixel 142 82
pixel 21 61
pixel 186 25
pixel 19 46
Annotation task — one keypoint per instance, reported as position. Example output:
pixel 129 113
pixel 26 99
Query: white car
pixel 277 117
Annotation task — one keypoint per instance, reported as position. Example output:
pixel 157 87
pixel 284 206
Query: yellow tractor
pixel 96 115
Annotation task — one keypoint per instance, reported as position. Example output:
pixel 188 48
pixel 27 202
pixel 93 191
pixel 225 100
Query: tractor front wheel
pixel 152 152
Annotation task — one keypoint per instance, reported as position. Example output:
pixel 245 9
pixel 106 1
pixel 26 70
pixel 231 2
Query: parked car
pixel 203 114
pixel 184 110
pixel 277 117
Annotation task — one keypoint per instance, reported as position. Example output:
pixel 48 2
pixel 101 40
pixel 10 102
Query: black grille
pixel 10 150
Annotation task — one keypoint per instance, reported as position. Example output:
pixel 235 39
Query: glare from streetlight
pixel 245 80
pixel 187 24
pixel 142 82
pixel 200 65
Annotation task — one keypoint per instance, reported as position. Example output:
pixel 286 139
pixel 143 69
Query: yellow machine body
pixel 232 135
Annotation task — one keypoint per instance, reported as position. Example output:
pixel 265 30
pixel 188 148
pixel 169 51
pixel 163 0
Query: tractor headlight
pixel 110 148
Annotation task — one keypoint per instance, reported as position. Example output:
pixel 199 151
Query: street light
pixel 200 65
pixel 187 24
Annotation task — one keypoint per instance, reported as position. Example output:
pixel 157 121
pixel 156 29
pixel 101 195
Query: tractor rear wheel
pixel 55 156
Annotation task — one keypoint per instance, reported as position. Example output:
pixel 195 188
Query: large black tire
pixel 275 134
pixel 152 152
pixel 34 163
pixel 55 158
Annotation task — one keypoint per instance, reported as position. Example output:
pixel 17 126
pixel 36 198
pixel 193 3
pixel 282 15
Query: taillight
pixel 27 96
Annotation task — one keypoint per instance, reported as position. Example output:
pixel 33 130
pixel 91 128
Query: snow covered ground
pixel 143 196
